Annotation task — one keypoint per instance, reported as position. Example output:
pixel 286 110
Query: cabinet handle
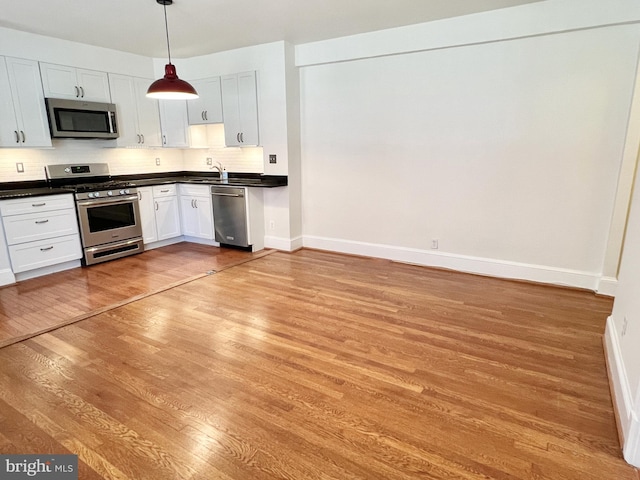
pixel 192 203
pixel 38 222
pixel 46 248
pixel 77 91
pixel 142 137
pixel 156 205
pixel 39 204
pixel 24 137
pixel 139 195
pixel 82 92
pixel 138 135
pixel 17 136
pixel 238 137
pixel 202 114
pixel 164 139
pixel 206 115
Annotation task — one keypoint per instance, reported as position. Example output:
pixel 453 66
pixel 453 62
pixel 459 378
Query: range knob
pixel 110 193
pixel 97 194
pixel 127 191
pixel 67 170
pixel 122 192
pixel 91 195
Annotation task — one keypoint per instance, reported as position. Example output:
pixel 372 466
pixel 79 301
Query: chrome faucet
pixel 218 167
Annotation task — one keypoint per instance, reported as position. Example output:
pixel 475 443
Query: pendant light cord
pixel 166 29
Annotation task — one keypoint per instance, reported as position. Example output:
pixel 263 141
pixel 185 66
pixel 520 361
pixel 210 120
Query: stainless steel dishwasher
pixel 230 215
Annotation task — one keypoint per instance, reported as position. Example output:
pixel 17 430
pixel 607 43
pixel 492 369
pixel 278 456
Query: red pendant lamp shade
pixel 170 87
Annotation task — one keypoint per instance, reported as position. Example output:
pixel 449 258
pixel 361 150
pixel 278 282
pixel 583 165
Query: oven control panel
pixel 100 194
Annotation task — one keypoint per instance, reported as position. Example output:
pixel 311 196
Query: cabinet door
pixel 93 85
pixel 9 136
pixel 167 217
pixel 123 95
pixel 189 216
pixel 231 110
pixel 204 212
pixel 208 107
pixel 248 107
pixel 59 81
pixel 174 123
pixel 147 214
pixel 148 114
pixel 240 109
pixel 28 101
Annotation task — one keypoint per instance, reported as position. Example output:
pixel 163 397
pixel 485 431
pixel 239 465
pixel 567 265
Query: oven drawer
pixel 164 190
pixel 39 226
pixel 46 203
pixel 32 255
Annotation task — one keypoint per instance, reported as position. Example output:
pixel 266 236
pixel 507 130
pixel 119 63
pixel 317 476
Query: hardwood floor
pixel 38 305
pixel 316 365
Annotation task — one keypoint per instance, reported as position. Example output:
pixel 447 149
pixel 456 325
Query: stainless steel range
pixel 108 210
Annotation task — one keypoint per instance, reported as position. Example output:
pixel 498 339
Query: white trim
pixel 631 449
pixel 163 243
pixel 462 263
pixel 622 397
pixel 607 286
pixel 284 244
pixel 38 272
pixel 7 277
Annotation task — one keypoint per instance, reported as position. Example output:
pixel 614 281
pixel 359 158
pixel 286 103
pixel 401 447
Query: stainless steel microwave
pixel 80 119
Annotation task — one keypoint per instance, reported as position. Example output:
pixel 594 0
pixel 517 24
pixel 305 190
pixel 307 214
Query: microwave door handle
pixel 112 118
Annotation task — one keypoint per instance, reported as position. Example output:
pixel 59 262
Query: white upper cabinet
pixel 173 119
pixel 240 109
pixel 23 117
pixel 207 108
pixel 60 81
pixel 138 116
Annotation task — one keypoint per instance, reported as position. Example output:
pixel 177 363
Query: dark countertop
pixel 39 187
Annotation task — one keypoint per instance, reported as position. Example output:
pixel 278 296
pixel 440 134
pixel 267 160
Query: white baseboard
pixel 47 270
pixel 622 396
pixel 7 277
pixel 163 243
pixel 607 286
pixel 284 244
pixel 462 263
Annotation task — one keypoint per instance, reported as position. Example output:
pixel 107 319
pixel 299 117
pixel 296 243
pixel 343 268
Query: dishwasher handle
pixel 216 194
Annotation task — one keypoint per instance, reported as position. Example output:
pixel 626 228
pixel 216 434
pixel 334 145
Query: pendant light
pixel 170 87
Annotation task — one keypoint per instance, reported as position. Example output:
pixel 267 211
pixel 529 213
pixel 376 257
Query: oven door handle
pixel 108 201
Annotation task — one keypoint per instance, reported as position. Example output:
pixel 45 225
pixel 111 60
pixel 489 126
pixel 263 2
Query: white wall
pixel 507 152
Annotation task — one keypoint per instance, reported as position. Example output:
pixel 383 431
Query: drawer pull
pixel 46 248
pixel 39 204
pixel 165 191
pixel 38 222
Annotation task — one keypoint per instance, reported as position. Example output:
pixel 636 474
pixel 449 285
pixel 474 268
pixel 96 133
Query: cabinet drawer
pixel 194 190
pixel 164 190
pixel 39 226
pixel 32 255
pixel 18 206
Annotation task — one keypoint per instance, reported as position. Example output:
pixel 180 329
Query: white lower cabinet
pixel 159 212
pixel 40 231
pixel 196 210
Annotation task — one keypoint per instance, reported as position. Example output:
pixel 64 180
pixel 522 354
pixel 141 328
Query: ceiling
pixel 198 27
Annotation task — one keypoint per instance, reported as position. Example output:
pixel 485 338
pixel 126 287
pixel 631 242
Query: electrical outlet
pixel 158 161
pixel 209 161
pixel 434 244
pixel 624 327
pixel 272 225
pixel 272 158
pixel 20 167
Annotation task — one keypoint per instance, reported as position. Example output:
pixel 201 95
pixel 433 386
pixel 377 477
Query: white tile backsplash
pixel 123 161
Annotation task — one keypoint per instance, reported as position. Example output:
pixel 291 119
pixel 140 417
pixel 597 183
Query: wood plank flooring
pixel 316 365
pixel 41 304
